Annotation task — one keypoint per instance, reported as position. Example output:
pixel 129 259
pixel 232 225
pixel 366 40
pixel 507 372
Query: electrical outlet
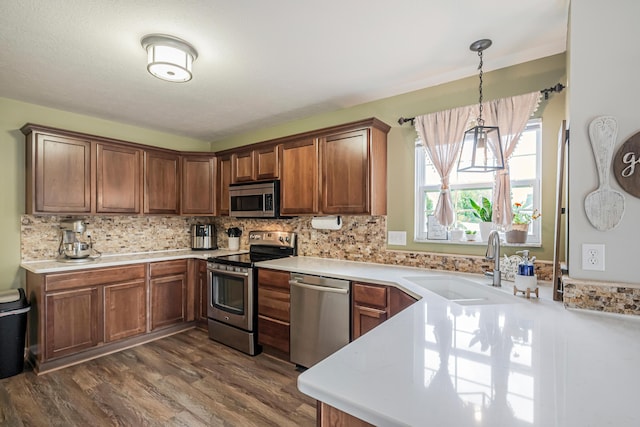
pixel 592 257
pixel 397 238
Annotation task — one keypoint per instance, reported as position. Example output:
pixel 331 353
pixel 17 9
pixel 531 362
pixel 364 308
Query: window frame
pixel 420 226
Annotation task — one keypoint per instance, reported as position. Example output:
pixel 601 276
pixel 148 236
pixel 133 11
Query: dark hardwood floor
pixel 182 380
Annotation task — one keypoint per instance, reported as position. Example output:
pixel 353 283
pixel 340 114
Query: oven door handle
pixel 228 272
pixel 318 288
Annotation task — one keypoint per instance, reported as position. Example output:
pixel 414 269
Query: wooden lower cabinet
pixel 273 312
pixel 72 321
pixel 328 416
pixel 366 318
pixel 167 287
pixel 125 310
pixel 202 289
pixel 373 304
pixel 80 315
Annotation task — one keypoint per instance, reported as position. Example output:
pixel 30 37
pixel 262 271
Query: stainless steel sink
pixel 462 291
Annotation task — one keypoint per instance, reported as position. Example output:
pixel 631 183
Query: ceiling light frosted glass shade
pixel 481 150
pixel 169 58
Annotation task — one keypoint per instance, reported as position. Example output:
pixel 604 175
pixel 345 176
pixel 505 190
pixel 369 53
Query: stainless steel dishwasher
pixel 320 309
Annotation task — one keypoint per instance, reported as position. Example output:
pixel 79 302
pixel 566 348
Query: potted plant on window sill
pixel 484 212
pixel 518 230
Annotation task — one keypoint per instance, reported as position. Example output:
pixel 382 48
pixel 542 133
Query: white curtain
pixel 441 134
pixel 511 116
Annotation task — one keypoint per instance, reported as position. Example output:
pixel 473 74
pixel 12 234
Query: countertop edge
pixel 114 260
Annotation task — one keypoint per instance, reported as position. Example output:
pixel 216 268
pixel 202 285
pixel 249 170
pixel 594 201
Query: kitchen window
pixel 526 173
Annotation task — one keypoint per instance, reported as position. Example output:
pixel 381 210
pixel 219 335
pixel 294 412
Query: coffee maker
pixel 72 247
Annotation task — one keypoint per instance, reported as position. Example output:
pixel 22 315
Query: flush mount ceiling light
pixel 481 146
pixel 169 58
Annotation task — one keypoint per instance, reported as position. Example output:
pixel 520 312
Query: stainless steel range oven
pixel 232 286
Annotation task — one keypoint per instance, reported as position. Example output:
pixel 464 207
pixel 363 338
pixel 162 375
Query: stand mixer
pixel 72 248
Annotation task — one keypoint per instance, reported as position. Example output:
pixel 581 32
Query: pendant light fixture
pixel 481 146
pixel 169 58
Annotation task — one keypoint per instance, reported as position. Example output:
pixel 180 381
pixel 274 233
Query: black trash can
pixel 13 325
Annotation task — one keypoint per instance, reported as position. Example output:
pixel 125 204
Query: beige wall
pixel 13 115
pixel 523 78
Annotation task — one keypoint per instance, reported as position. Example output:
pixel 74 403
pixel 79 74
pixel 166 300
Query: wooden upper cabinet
pixel 118 179
pixel 342 170
pixel 345 172
pixel 58 174
pixel 161 182
pixel 299 177
pixel 354 172
pixel 337 170
pixel 224 179
pixel 258 164
pixel 198 185
pixel 267 164
pixel 243 167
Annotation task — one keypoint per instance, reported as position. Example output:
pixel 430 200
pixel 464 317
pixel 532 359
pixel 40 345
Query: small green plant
pixel 471 232
pixel 483 212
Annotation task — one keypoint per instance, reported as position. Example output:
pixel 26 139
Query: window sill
pixel 503 243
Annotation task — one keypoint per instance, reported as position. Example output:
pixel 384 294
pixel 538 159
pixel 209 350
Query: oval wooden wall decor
pixel 626 165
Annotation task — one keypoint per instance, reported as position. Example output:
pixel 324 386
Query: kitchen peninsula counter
pixel 114 260
pixel 519 362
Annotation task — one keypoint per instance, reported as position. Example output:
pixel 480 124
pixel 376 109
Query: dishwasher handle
pixel 318 288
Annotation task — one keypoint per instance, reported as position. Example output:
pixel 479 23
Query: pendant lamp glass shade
pixel 169 58
pixel 481 147
pixel 481 150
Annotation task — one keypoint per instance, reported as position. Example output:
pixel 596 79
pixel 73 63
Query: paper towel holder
pixel 327 223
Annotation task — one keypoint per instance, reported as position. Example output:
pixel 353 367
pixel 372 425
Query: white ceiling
pixel 260 63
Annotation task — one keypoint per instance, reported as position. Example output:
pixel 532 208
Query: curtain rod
pixel 557 88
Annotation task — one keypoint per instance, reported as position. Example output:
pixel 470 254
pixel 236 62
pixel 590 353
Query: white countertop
pixel 518 363
pixel 53 266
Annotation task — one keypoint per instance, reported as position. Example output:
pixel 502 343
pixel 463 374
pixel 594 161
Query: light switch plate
pixel 398 238
pixel 593 257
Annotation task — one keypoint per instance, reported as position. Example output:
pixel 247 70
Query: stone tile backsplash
pixel 608 297
pixel 362 238
pixel 40 235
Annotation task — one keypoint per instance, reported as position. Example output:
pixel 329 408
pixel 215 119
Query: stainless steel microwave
pixel 255 200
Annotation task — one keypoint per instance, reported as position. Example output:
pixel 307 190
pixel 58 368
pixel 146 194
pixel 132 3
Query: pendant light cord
pixel 480 120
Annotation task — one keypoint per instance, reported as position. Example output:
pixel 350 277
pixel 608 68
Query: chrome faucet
pixel 493 253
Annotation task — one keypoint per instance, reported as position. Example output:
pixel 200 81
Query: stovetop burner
pixel 264 245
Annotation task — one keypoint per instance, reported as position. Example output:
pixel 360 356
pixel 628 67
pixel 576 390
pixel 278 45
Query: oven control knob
pixel 286 239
